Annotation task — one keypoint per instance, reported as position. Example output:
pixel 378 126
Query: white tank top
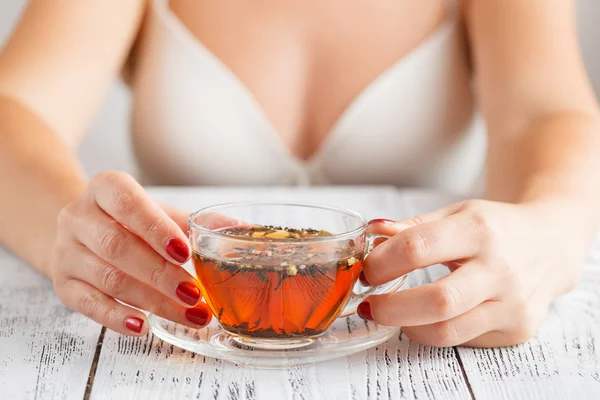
pixel 196 123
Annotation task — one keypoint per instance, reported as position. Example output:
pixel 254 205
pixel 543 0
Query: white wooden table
pixel 48 352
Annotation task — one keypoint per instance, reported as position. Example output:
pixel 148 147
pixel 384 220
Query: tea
pixel 279 285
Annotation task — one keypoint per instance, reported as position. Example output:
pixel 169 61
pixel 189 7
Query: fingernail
pixel 177 249
pixel 364 311
pixel 134 324
pixel 382 221
pixel 188 292
pixel 197 315
pixel 363 279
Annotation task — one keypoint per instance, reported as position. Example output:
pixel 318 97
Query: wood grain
pixel 147 368
pixel 561 362
pixel 45 350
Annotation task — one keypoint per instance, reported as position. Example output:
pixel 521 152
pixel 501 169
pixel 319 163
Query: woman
pixel 308 92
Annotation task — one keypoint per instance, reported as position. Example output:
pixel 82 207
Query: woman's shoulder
pixel 73 50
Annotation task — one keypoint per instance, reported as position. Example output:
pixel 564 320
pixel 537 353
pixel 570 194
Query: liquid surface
pixel 277 288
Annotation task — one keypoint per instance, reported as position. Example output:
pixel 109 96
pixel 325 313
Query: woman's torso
pixel 304 92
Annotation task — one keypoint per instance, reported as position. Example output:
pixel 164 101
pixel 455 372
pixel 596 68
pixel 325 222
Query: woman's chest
pixel 233 107
pixel 305 61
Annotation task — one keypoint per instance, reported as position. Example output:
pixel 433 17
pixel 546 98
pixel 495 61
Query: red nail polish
pixel 382 221
pixel 188 292
pixel 198 315
pixel 364 311
pixel 363 279
pixel 134 324
pixel 177 249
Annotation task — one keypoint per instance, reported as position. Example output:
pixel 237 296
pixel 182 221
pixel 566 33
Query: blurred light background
pixel 107 145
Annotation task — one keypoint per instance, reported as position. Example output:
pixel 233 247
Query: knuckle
pixel 445 300
pixel 114 244
pixel 480 220
pixel 124 202
pixel 472 205
pixel 113 280
pixel 89 304
pixel 158 273
pixel 414 247
pixel 444 334
pixel 111 314
pixel 155 227
pixel 122 199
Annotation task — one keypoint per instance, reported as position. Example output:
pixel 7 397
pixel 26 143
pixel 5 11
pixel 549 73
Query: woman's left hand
pixel 508 262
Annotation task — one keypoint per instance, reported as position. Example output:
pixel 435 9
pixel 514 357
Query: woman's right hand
pixel 116 243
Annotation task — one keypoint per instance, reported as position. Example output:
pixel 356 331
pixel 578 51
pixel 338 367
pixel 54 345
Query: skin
pixel 510 255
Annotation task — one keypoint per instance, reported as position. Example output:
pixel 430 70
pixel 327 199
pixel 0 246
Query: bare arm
pixel 54 72
pixel 543 120
pixel 512 254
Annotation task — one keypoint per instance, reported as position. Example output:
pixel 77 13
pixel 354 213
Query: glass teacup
pixel 277 275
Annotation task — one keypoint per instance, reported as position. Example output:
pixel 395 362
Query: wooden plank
pixel 148 368
pixel 561 362
pixel 45 350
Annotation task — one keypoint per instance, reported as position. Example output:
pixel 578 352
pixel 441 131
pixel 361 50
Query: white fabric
pixel 196 123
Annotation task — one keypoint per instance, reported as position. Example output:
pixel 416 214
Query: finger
pixel 110 241
pixel 215 221
pixel 456 237
pixel 122 198
pixel 391 227
pixel 89 301
pixel 211 221
pixel 448 297
pixel 119 285
pixel 521 325
pixel 479 321
pixel 492 339
pixel 180 216
pixel 496 339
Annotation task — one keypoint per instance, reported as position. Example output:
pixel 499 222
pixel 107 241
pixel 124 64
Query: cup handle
pixel 365 291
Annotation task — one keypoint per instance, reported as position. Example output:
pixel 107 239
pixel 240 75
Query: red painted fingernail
pixel 382 221
pixel 363 279
pixel 134 324
pixel 199 315
pixel 177 249
pixel 364 311
pixel 188 292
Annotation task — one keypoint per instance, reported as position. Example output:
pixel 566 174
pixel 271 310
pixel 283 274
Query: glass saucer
pixel 347 335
